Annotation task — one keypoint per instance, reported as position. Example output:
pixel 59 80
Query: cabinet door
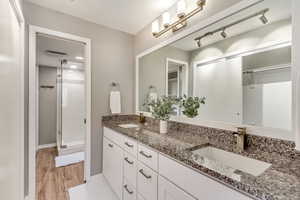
pixel 129 191
pixel 113 165
pixel 147 182
pixel 130 167
pixel 169 191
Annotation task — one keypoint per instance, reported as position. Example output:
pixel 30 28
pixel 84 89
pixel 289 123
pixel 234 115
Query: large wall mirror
pixel 241 64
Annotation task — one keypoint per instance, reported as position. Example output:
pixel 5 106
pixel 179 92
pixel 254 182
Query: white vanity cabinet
pixel 113 165
pixel 137 172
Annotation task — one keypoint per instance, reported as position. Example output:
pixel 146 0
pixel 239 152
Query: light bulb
pixel 181 7
pixel 155 27
pixel 166 19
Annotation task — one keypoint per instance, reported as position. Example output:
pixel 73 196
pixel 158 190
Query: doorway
pixel 60 109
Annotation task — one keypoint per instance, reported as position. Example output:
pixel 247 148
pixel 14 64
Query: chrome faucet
pixel 240 139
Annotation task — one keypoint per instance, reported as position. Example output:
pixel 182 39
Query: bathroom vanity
pixel 186 163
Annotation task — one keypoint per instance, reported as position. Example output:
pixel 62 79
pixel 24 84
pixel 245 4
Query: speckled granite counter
pixel 279 182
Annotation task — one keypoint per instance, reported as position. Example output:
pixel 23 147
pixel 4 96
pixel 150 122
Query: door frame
pixel 33 103
pixel 186 64
pixel 17 9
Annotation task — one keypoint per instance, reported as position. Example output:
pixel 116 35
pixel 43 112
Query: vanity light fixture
pixel 182 18
pixel 263 18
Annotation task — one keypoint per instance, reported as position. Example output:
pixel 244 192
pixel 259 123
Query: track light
pixel 264 19
pixel 199 43
pixel 224 34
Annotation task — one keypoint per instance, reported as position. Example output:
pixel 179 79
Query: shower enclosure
pixel 71 111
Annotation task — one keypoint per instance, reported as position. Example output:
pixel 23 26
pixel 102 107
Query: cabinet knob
pixel 110 145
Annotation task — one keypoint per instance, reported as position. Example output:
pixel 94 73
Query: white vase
pixel 163 126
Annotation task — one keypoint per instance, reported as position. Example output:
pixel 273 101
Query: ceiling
pixel 126 15
pixel 278 11
pixel 71 48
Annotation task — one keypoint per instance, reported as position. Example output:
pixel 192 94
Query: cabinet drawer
pixel 148 157
pixel 146 182
pixel 129 191
pixel 113 136
pixel 130 167
pixel 169 191
pixel 195 183
pixel 130 146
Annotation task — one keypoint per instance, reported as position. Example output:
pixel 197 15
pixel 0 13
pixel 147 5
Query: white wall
pixel 296 70
pixel 11 105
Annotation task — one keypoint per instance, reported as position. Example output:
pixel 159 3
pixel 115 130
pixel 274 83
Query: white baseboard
pixel 44 146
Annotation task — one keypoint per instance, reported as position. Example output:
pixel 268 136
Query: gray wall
pixel 112 60
pixel 47 105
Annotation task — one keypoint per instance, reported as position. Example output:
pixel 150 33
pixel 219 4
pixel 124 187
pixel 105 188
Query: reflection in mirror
pixel 177 78
pixel 242 65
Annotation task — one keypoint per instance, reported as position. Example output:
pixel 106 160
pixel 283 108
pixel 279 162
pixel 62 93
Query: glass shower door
pixel 71 109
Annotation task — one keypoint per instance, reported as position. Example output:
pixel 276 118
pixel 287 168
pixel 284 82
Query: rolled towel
pixel 115 102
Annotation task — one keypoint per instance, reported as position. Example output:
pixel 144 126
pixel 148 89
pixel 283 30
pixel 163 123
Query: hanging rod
pixel 262 12
pixel 268 68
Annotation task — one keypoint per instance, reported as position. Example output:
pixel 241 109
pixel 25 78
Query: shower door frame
pixel 33 101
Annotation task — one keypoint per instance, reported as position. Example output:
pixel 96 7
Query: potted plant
pixel 161 109
pixel 191 105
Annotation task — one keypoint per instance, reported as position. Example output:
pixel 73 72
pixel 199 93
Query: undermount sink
pixel 232 160
pixel 129 126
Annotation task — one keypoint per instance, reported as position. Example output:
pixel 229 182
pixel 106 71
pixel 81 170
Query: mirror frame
pixel 261 131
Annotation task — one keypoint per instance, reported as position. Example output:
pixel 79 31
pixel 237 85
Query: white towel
pixel 115 102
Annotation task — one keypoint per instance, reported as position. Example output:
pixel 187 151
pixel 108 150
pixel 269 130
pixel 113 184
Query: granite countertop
pixel 281 181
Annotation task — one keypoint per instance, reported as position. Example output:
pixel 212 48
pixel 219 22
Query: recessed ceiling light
pixel 73 66
pixel 79 58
